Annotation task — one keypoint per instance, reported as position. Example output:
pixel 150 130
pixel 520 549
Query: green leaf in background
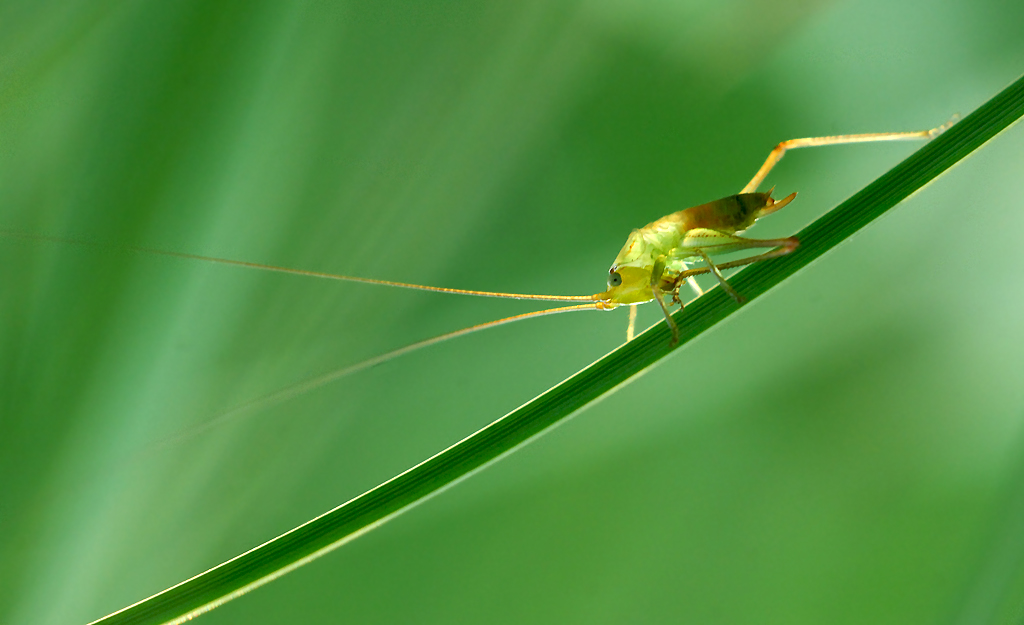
pixel 845 449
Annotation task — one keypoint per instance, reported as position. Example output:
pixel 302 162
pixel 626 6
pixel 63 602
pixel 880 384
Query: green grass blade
pixel 369 510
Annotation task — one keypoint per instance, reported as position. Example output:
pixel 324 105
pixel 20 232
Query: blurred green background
pixel 846 449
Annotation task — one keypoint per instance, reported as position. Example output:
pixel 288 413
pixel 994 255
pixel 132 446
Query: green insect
pixel 655 262
pixel 657 258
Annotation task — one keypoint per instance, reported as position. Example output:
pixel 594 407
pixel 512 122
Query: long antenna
pixel 311 384
pixel 299 272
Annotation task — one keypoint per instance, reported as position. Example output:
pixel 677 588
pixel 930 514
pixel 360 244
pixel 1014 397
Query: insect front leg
pixel 631 328
pixel 671 284
pixel 657 272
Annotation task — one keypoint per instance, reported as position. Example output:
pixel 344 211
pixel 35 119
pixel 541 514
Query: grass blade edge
pixel 350 520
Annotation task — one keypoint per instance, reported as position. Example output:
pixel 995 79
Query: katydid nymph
pixel 656 258
pixel 652 266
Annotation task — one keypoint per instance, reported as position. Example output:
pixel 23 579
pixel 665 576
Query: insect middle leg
pixel 721 279
pixel 732 243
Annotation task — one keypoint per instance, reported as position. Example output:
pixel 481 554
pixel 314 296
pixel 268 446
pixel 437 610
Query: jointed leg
pixel 781 251
pixel 721 279
pixel 692 282
pixel 782 247
pixel 730 243
pixel 657 272
pixel 811 142
pixel 631 328
pixel 668 315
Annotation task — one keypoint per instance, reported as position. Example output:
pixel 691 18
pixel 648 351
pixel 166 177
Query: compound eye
pixel 614 279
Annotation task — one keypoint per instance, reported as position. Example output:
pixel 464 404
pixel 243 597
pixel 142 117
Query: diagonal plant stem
pixel 352 519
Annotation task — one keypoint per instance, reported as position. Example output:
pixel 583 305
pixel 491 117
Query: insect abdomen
pixel 729 214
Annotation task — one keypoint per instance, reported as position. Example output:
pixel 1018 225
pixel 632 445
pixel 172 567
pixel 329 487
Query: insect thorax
pixel 645 245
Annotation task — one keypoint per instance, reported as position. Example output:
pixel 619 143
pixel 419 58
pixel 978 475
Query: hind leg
pixel 812 142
